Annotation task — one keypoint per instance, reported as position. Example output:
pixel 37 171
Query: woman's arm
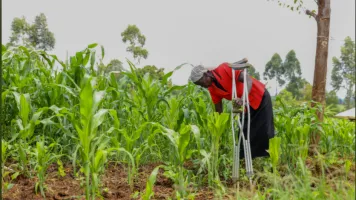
pixel 218 107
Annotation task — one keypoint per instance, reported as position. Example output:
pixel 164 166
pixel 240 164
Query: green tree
pixel 292 73
pixel 274 69
pixel 36 34
pixel 343 72
pixel 114 65
pixel 295 86
pixel 255 74
pixel 137 40
pixel 154 72
pixel 291 66
pixel 331 98
pixel 19 29
pixel 286 97
pixel 307 91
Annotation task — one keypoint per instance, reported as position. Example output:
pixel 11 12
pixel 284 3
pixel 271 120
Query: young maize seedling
pixel 180 142
pixel 43 159
pixel 274 152
pixel 217 124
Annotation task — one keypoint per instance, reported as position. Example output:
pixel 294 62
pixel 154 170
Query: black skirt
pixel 261 128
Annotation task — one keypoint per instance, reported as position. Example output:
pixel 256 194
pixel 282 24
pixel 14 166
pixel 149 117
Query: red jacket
pixel 223 74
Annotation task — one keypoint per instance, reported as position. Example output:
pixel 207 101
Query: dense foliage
pixel 81 116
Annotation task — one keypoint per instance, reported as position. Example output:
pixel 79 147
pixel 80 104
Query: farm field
pixel 80 133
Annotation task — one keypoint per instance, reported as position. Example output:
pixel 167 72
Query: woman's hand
pixel 237 103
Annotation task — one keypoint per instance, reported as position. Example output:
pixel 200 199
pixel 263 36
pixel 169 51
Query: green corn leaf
pixel 3 96
pixel 68 89
pixel 15 175
pixel 79 56
pixel 4 146
pixel 80 131
pixel 102 52
pixel 73 61
pixel 98 118
pixel 190 153
pixel 47 59
pixel 180 66
pixel 97 99
pixel 3 48
pixel 138 152
pixel 24 108
pixel 36 187
pixel 171 135
pixel 74 158
pixel 47 121
pixel 169 74
pixel 25 50
pixel 100 159
pixel 184 139
pixel 196 133
pixel 102 142
pixel 165 77
pixel 176 87
pixel 60 62
pixel 86 59
pixel 149 193
pixel 23 157
pixel 95 181
pixel 36 116
pixel 6 55
pixel 274 150
pixel 113 114
pixel 126 136
pixel 132 162
pixel 61 171
pixel 113 81
pixel 17 99
pixel 139 131
pixel 56 110
pixel 90 46
pixel 9 186
pixel 347 166
pixel 205 161
pixel 86 100
pixel 92 59
pixel 70 78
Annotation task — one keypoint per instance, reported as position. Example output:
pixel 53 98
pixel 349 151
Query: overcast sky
pixel 206 32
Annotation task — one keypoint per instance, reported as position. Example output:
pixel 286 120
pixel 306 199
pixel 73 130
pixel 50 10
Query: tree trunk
pixel 321 59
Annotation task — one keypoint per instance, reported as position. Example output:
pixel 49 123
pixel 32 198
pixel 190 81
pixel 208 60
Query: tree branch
pixel 310 13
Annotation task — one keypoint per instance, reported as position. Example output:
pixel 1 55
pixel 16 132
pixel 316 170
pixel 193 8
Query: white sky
pixel 205 32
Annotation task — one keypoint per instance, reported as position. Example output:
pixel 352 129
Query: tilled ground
pixel 114 185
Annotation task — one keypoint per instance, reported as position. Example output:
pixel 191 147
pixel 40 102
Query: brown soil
pixel 114 185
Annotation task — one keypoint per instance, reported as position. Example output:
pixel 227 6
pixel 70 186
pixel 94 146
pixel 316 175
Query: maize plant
pixel 73 115
pixel 179 141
